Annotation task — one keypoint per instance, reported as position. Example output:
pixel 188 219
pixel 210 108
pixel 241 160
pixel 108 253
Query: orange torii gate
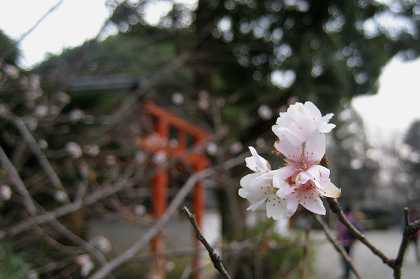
pixel 158 142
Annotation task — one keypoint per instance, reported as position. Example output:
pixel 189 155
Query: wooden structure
pixel 187 149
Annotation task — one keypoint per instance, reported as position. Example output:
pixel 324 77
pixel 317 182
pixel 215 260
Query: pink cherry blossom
pixel 301 132
pixel 305 187
pixel 301 121
pixel 258 188
pixel 302 140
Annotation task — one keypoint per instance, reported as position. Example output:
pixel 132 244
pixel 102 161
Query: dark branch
pixel 214 256
pixel 336 209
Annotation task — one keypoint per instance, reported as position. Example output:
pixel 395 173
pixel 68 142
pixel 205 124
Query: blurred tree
pixel 249 58
pixel 354 167
pixel 410 156
pixel 8 50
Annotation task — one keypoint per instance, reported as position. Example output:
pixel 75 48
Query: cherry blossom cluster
pixel 301 133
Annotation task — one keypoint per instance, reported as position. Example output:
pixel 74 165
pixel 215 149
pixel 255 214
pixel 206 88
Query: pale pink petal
pixel 288 144
pixel 297 120
pixel 257 163
pixel 328 189
pixel 312 202
pixel 254 186
pixel 292 204
pixel 303 177
pixel 324 126
pixel 312 110
pixel 243 193
pixel 284 191
pixel 315 147
pixel 276 207
pixel 318 172
pixel 284 172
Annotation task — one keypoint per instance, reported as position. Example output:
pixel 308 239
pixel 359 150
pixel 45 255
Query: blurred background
pixel 107 108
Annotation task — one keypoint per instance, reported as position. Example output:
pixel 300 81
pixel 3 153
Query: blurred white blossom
pixel 160 158
pixel 203 100
pixel 265 112
pixel 74 150
pixel 92 149
pixel 212 148
pixel 11 71
pixel 85 263
pixel 140 210
pixel 61 196
pixel 236 147
pixel 76 115
pixel 5 192
pixel 102 243
pixel 177 98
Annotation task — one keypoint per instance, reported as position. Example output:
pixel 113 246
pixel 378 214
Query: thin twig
pixel 336 209
pixel 66 209
pixel 160 224
pixel 214 256
pixel 339 248
pixel 17 182
pixel 32 207
pixel 409 230
pixel 39 21
pixel 43 161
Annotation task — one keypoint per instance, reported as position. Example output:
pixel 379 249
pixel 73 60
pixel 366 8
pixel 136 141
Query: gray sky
pixel 397 104
pixel 387 113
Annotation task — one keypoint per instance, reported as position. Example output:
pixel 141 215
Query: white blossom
pixel 258 188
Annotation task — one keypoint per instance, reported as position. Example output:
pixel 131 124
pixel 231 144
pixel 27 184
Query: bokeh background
pixel 75 76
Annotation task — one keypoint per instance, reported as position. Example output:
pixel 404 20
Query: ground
pixel 328 263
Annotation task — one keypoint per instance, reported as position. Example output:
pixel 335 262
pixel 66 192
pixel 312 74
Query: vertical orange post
pixel 159 195
pixel 160 182
pixel 198 206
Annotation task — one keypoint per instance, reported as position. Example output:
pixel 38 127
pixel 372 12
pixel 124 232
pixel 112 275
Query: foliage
pixel 8 50
pixel 272 255
pixel 410 158
pixel 13 265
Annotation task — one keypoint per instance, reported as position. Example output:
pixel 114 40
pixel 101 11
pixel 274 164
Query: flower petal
pixel 312 202
pixel 284 172
pixel 324 126
pixel 285 191
pixel 288 144
pixel 328 189
pixel 292 204
pixel 253 186
pixel 312 110
pixel 257 163
pixel 315 147
pixel 276 207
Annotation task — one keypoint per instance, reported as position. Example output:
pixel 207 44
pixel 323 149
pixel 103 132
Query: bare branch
pixel 36 150
pixel 337 246
pixel 39 21
pixel 336 209
pixel 66 209
pixel 32 207
pixel 410 229
pixel 17 181
pixel 214 256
